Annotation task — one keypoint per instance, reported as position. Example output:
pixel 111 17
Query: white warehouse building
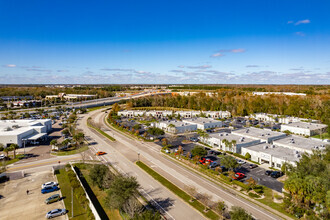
pixel 159 114
pixel 266 135
pixel 304 128
pixel 187 114
pixel 176 127
pixel 204 123
pixel 217 114
pixel 217 140
pixel 18 131
pixel 131 113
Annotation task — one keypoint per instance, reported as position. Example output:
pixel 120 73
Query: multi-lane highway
pixel 179 175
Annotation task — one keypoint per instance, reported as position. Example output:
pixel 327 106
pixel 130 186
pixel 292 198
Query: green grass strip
pixel 101 132
pixel 71 152
pixel 179 192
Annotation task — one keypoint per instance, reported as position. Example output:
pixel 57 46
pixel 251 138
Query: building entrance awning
pixel 35 137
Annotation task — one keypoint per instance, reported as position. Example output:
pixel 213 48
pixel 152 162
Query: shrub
pixel 244 186
pixel 254 195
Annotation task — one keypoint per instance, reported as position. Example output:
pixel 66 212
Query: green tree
pixel 53 142
pixel 238 213
pixel 248 156
pixel 121 189
pixel 115 108
pixel 229 162
pixel 199 151
pixel 148 215
pixel 97 174
pixel 7 150
pixel 1 147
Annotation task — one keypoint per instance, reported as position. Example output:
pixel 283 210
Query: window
pixel 278 165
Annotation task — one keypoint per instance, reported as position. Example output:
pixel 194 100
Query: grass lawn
pixel 79 213
pixel 70 152
pixel 179 192
pixel 322 136
pixel 100 195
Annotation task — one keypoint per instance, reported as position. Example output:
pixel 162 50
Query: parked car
pixel 2 156
pixel 223 168
pixel 53 198
pixel 252 165
pixel 193 139
pixel 99 153
pixel 211 152
pixel 49 189
pixel 276 174
pixel 206 148
pixel 217 153
pixel 268 172
pixel 213 165
pixel 55 213
pixel 240 161
pixel 49 184
pixel 238 176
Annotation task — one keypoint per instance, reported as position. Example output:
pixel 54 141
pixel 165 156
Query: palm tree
pixel 14 147
pixel 1 147
pixel 6 150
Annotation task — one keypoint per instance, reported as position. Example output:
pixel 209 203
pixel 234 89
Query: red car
pixel 99 153
pixel 203 160
pixel 238 176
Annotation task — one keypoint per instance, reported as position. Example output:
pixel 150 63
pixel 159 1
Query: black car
pixel 206 148
pixel 217 153
pixel 268 172
pixel 211 152
pixel 276 174
pixel 252 165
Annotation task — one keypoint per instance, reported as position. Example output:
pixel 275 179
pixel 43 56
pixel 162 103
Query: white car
pixel 241 162
pixel 51 184
pixel 2 156
pixel 55 213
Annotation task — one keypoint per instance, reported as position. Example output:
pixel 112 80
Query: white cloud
pixel 217 55
pixel 199 67
pixel 249 66
pixel 9 65
pixel 306 21
pixel 239 50
pixel 301 34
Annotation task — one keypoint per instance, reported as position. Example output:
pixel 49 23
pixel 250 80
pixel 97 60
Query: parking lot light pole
pixel 71 202
pixel 138 156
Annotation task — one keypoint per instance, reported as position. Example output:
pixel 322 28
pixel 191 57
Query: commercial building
pixel 300 144
pixel 304 128
pixel 204 123
pixel 272 154
pixel 279 93
pixel 176 127
pixel 264 117
pixel 131 113
pixel 159 114
pixel 229 142
pixel 265 135
pixel 20 131
pixel 187 114
pixel 70 96
pixel 217 114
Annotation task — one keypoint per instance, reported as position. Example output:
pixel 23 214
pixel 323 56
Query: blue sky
pixel 165 41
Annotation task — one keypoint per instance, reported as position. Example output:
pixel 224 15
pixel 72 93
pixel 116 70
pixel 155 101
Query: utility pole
pixel 71 202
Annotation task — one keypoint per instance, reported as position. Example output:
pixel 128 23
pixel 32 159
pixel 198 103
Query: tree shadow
pixel 165 204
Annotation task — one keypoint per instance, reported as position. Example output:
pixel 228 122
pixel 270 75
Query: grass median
pixel 179 192
pixel 101 132
pixel 71 152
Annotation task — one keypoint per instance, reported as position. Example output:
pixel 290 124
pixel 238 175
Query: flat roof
pixel 300 142
pixel 16 127
pixel 276 151
pixel 306 125
pixel 257 133
pixel 231 137
pixel 200 121
pixel 35 136
pixel 175 123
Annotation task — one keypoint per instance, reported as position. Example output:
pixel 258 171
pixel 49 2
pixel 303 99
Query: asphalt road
pixel 180 176
pixel 122 159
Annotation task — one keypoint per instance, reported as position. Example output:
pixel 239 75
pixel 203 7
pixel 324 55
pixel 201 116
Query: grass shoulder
pixel 70 152
pixel 179 192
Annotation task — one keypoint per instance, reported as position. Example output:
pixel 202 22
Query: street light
pixel 138 156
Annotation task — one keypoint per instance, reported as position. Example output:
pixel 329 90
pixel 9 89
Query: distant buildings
pixel 304 128
pixel 131 113
pixel 18 131
pixel 159 114
pixel 70 96
pixel 278 93
pixel 187 114
pixel 217 114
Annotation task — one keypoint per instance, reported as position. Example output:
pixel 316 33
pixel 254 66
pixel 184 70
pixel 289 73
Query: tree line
pixel 242 104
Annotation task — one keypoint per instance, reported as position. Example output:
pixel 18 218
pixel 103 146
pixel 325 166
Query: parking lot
pixel 257 173
pixel 16 204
